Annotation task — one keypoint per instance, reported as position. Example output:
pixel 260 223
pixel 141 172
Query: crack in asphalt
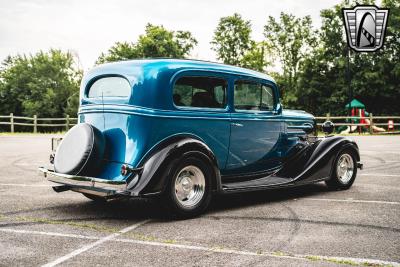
pixel 374 157
pixel 277 219
pixel 296 227
pixel 209 250
pixel 383 166
pixel 23 167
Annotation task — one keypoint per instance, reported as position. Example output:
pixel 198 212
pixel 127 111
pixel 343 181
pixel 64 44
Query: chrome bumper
pixel 84 184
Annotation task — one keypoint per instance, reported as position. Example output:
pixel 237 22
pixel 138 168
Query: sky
pixel 89 27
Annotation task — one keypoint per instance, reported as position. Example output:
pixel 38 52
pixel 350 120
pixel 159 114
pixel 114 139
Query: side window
pixel 253 96
pixel 220 95
pixel 110 87
pixel 267 95
pixel 204 92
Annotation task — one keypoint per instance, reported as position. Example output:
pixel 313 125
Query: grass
pixel 95 227
pixel 343 261
pixel 91 226
pixel 279 253
pixel 143 237
pixel 30 134
pixel 321 134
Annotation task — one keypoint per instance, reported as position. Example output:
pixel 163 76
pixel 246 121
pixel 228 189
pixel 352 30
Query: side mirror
pixel 328 127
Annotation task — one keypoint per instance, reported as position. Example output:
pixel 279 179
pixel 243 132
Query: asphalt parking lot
pixel 307 226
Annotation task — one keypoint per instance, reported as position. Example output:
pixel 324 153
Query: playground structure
pixel 343 123
pixel 360 121
pixel 359 116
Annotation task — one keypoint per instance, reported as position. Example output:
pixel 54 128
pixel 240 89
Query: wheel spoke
pixel 345 168
pixel 189 186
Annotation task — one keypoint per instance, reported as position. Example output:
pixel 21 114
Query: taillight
pixel 125 170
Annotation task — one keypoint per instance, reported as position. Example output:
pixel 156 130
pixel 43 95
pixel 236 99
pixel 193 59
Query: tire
pixel 96 199
pixel 81 151
pixel 188 192
pixel 344 170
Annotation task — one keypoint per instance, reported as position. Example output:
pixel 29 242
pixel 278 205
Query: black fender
pixel 157 162
pixel 314 162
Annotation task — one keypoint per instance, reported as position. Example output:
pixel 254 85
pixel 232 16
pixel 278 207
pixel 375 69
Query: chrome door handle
pixel 237 124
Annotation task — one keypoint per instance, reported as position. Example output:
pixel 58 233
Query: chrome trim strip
pixel 195 113
pixel 90 183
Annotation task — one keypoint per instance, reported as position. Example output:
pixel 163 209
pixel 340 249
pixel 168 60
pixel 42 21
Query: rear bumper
pixel 360 165
pixel 89 185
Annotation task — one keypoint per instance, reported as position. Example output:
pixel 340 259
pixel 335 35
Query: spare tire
pixel 81 151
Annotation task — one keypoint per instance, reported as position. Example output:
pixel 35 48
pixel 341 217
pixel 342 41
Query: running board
pixel 257 184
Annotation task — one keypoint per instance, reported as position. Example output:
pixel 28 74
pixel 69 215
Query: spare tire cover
pixel 81 151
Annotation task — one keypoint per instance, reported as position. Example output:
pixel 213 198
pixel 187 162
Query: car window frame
pixel 205 74
pixel 110 99
pixel 261 83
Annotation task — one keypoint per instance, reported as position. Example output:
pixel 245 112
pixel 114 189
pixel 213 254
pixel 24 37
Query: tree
pixel 291 40
pixel 232 39
pixel 40 84
pixel 119 51
pixel 258 57
pixel 156 42
pixel 322 82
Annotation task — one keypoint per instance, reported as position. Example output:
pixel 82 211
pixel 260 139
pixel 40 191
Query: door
pixel 255 129
pixel 200 99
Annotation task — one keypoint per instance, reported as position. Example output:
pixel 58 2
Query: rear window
pixel 205 92
pixel 110 87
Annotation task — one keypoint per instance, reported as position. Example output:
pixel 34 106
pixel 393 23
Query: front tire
pixel 344 171
pixel 188 192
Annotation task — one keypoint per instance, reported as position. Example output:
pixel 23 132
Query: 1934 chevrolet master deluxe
pixel 184 129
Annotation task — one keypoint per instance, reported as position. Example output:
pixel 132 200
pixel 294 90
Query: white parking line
pixel 353 200
pixel 28 164
pixel 26 185
pixel 92 245
pixel 359 261
pixel 379 149
pixel 7 230
pixel 379 174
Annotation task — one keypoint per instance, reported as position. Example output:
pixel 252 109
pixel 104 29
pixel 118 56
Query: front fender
pixel 314 162
pixel 157 164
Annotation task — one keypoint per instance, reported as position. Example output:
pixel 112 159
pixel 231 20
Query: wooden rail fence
pixel 36 122
pixel 370 122
pixel 68 122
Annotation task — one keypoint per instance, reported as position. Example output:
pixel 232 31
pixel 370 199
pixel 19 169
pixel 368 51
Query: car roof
pixel 150 77
pixel 168 64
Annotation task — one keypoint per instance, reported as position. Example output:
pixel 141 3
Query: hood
pixel 297 114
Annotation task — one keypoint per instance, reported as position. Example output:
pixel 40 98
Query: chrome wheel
pixel 190 186
pixel 345 168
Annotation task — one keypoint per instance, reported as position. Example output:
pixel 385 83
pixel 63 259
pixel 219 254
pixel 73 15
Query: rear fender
pixel 157 164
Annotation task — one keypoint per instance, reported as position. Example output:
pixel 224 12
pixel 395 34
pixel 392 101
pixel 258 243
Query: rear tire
pixel 344 171
pixel 188 191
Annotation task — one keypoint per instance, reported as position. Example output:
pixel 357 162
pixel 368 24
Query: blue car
pixel 183 130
